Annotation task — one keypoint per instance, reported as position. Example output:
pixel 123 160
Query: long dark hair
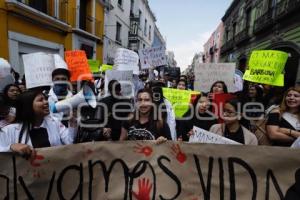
pixel 8 100
pixel 24 111
pixel 225 89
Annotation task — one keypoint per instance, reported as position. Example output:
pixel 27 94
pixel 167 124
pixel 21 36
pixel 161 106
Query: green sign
pixel 94 65
pixel 266 66
pixel 104 68
pixel 180 100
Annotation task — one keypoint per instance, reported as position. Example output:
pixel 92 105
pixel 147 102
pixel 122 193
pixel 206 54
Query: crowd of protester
pixel 28 121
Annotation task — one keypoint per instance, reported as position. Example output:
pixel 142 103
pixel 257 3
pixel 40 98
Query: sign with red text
pixel 144 170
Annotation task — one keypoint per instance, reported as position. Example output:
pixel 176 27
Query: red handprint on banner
pixel 180 156
pixel 145 188
pixel 36 158
pixel 146 150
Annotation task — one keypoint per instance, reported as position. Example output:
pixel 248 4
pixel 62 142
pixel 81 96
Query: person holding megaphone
pixel 34 127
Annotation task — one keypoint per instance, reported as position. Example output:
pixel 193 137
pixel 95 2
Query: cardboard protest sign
pixel 266 66
pixel 153 57
pixel 126 60
pixel 180 100
pixel 238 82
pixel 208 73
pixel 202 136
pixel 78 65
pixel 94 65
pixel 144 170
pixel 104 68
pixel 5 75
pixel 124 78
pixel 38 69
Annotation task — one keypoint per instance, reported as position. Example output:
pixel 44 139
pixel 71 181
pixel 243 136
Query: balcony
pixel 264 22
pixel 242 36
pixel 227 46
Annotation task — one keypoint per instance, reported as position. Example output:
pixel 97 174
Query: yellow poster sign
pixel 104 68
pixel 94 65
pixel 266 66
pixel 180 99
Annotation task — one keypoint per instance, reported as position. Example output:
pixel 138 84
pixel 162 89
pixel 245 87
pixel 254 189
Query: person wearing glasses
pixel 232 128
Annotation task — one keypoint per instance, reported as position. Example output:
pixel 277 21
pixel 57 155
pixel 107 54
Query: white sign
pixel 126 60
pixel 59 62
pixel 238 83
pixel 38 69
pixel 153 57
pixel 124 78
pixel 6 77
pixel 203 136
pixel 208 73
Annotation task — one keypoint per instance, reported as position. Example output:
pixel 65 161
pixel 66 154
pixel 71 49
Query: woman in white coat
pixel 34 127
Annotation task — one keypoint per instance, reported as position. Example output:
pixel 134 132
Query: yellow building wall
pixel 3 35
pixel 99 15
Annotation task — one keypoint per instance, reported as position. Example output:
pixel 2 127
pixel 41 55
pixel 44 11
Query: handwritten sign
pixel 144 170
pixel 202 136
pixel 94 65
pixel 59 62
pixel 153 57
pixel 38 69
pixel 124 78
pixel 126 60
pixel 78 65
pixel 208 73
pixel 180 100
pixel 266 66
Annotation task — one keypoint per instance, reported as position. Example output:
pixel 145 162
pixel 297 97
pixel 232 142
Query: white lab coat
pixel 58 134
pixel 171 120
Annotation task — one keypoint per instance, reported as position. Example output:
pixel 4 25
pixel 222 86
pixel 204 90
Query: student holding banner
pixel 144 124
pixel 232 128
pixel 182 85
pixel 283 126
pixel 202 118
pixel 34 127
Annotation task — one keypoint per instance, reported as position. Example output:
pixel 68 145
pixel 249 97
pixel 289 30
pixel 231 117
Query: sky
pixel 187 25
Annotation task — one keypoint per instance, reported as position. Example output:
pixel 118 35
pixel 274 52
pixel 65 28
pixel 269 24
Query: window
pixel 120 3
pixel 140 16
pixel 40 5
pixel 145 28
pixel 118 33
pixel 144 46
pixel 150 29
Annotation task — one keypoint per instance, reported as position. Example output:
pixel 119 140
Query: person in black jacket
pixel 118 108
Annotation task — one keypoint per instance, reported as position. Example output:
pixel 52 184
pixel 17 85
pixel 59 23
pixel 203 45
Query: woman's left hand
pixel 161 140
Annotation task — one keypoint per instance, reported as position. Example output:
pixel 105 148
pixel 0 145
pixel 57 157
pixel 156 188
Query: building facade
pixel 158 39
pixel 52 26
pixel 263 24
pixel 212 48
pixel 128 24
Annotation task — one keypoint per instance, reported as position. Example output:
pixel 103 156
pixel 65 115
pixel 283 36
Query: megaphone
pixel 85 95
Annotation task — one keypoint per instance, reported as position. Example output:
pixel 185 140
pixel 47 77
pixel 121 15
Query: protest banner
pixel 38 69
pixel 94 65
pixel 104 68
pixel 5 75
pixel 267 66
pixel 78 65
pixel 180 100
pixel 124 78
pixel 208 73
pixel 126 60
pixel 202 136
pixel 144 170
pixel 153 57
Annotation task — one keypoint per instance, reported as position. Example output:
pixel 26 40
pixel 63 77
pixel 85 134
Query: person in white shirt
pixel 35 128
pixel 60 91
